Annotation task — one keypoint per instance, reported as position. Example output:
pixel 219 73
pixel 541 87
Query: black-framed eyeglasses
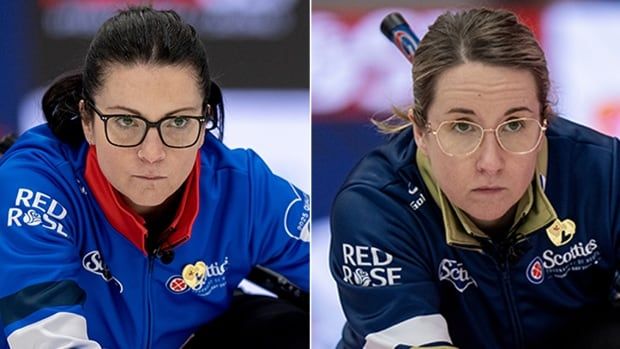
pixel 178 131
pixel 461 138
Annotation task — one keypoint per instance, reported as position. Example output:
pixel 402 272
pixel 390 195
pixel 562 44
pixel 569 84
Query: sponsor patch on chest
pixel 561 232
pixel 201 278
pixel 557 264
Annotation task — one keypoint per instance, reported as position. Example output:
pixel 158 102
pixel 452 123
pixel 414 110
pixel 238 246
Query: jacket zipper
pixel 149 276
pixel 501 254
pixel 510 300
pixel 149 315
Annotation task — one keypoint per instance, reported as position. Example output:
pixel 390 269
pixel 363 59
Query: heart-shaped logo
pixel 194 275
pixel 561 232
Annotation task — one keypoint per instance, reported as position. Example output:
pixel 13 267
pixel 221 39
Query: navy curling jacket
pixel 407 276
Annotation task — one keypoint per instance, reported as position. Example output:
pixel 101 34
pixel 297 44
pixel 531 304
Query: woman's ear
pixel 87 123
pixel 418 132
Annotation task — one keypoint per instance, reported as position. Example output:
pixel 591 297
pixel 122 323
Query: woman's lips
pixel 488 190
pixel 149 177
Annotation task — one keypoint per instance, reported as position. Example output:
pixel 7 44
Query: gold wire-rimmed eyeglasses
pixel 461 137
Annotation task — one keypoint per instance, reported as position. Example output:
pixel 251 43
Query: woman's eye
pixel 125 121
pixel 462 127
pixel 179 122
pixel 513 126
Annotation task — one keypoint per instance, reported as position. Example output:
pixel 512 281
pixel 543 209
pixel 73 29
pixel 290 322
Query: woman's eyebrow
pixel 461 111
pixel 516 110
pixel 133 111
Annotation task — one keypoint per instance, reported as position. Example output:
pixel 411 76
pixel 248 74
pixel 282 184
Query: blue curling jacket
pixel 412 271
pixel 70 279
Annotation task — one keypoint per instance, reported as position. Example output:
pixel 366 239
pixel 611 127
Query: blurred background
pixel 357 73
pixel 258 53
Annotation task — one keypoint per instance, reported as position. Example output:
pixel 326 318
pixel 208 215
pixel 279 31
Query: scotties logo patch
pixel 201 278
pixel 561 232
pixel 194 274
pixel 176 284
pixel 558 263
pixel 535 271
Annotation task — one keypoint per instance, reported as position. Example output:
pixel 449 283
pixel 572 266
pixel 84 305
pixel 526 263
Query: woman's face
pixel 489 182
pixel 149 173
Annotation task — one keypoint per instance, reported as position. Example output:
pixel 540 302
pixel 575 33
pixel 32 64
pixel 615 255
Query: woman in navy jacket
pixel 485 221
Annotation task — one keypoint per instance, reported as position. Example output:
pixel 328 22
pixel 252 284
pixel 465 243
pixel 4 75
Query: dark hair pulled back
pixel 133 36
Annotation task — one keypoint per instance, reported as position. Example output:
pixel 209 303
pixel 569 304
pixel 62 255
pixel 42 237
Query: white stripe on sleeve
pixel 61 330
pixel 416 331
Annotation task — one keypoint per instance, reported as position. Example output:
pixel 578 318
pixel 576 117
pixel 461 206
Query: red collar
pixel 129 223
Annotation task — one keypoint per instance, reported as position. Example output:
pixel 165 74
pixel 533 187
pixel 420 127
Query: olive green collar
pixel 534 210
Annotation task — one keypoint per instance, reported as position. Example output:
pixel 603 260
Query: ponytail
pixel 6 142
pixel 216 101
pixel 61 108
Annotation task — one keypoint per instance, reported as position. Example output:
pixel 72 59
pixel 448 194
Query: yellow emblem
pixel 561 232
pixel 194 274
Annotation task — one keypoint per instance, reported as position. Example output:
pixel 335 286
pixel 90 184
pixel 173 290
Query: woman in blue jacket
pixel 126 222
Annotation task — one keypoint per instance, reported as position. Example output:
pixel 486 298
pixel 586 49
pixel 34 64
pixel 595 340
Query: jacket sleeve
pixel 384 278
pixel 280 220
pixel 40 298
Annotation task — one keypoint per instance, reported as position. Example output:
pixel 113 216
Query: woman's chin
pixel 144 204
pixel 492 217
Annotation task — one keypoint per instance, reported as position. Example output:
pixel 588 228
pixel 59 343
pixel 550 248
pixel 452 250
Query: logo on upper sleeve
pixel 93 262
pixel 37 209
pixel 454 272
pixel 297 216
pixel 417 198
pixel 368 266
